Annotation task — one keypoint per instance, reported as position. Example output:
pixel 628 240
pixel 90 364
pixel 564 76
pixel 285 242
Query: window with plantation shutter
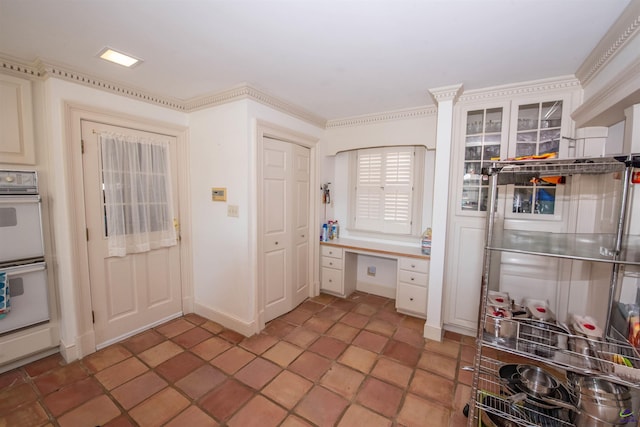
pixel 384 190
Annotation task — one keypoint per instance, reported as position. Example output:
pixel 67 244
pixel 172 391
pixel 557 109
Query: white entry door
pixel 285 226
pixel 133 292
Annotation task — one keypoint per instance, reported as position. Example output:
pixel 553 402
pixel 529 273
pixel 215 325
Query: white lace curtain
pixel 137 194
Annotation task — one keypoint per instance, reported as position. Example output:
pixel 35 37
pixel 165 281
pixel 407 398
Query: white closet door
pixel 285 226
pixel 300 205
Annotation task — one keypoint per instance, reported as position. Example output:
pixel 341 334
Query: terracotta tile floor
pixel 329 362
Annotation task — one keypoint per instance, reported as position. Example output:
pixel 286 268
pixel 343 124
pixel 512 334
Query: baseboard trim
pixel 433 333
pixel 375 289
pixel 228 321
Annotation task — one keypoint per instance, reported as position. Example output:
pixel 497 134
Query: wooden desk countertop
pixel 376 247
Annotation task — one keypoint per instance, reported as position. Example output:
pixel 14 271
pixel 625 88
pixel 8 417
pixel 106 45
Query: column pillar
pixel 445 97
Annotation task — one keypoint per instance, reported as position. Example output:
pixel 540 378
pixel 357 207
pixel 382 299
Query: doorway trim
pixel 269 130
pixel 74 114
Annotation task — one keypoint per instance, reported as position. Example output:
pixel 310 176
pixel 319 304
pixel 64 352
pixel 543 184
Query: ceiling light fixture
pixel 120 58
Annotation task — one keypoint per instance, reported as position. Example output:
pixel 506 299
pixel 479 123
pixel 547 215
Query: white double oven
pixel 22 251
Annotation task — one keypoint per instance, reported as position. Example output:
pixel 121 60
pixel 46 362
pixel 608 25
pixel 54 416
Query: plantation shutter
pixel 384 190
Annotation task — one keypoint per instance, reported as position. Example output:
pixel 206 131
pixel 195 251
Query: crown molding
pixel 42 70
pixel 519 89
pixel 446 93
pixel 53 70
pixel 624 29
pixel 408 113
pixel 606 107
pixel 12 66
pixel 249 92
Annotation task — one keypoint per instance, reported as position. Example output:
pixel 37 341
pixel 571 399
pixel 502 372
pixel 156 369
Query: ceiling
pixel 334 58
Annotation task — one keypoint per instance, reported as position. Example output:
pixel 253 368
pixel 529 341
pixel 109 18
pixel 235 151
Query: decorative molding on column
pixel 409 113
pixel 624 29
pixel 446 93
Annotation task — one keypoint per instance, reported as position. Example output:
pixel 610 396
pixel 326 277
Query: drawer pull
pixel 411 299
pixel 413 266
pixel 330 281
pixel 330 263
pixel 276 243
pixel 303 236
pixel 412 279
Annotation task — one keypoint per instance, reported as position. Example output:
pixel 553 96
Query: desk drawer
pixel 331 251
pixel 331 280
pixel 332 262
pixel 412 298
pixel 414 264
pixel 413 278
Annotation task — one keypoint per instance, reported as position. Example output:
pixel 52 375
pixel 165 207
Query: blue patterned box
pixel 5 301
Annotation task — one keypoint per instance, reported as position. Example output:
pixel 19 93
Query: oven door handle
pixel 13 200
pixel 24 269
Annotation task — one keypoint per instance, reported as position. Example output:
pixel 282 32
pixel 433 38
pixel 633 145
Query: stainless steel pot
pixel 535 380
pixel 601 399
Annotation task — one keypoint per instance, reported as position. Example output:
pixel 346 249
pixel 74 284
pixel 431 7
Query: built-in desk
pixel 346 265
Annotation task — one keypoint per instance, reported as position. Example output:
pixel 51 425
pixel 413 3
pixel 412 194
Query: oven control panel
pixel 18 182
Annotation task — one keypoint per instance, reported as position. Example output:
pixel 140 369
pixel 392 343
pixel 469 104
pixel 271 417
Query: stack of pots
pixel 600 403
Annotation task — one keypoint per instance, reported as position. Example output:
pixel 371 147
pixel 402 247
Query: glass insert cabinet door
pixel 538 128
pixel 482 144
pixel 538 133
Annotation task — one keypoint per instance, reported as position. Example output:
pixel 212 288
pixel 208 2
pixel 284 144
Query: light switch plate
pixel 233 210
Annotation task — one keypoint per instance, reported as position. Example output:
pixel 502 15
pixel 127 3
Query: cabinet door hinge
pixel 93 316
pixel 82 146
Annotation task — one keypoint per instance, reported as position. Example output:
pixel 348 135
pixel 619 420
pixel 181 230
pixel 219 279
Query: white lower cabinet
pixel 411 290
pixel 332 271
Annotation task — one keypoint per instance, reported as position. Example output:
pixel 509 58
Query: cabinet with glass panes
pixel 537 135
pixel 482 144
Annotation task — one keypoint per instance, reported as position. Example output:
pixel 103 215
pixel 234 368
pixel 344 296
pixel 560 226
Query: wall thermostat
pixel 219 194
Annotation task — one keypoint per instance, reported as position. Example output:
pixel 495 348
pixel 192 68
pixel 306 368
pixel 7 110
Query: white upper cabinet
pixel 16 121
pixel 518 126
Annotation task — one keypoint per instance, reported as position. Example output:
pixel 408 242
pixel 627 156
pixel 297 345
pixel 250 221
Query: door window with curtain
pixel 137 194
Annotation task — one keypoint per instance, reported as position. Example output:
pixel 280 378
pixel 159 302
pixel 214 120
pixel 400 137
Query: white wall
pixel 404 130
pixel 223 154
pixel 56 93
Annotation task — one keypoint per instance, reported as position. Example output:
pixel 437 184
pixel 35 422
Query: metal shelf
pixel 493 397
pixel 553 167
pixel 536 340
pixel 614 358
pixel 585 247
